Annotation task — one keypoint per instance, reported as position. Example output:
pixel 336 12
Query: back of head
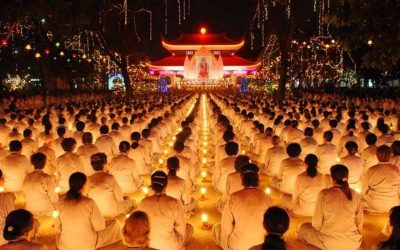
pixel 228 136
pixel 231 148
pixel 173 165
pixel 80 126
pixel 61 131
pixel 309 132
pixel 135 136
pixel 87 138
pixel 15 146
pixel 104 130
pixel 240 161
pixel 276 222
pixel 136 230
pixel 124 146
pixel 145 133
pixel 351 147
pixel 311 161
pixel 276 140
pixel 328 136
pixel 76 183
pixel 383 153
pixel 393 242
pixel 68 144
pixel 396 148
pixel 249 173
pixel 340 175
pixel 98 161
pixel 371 139
pixel 18 223
pixel 159 181
pixel 38 160
pixel 293 149
pixel 27 133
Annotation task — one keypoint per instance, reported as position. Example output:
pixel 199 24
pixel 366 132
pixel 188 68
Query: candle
pixel 243 152
pixel 145 190
pixel 205 144
pixel 268 191
pixel 160 161
pixel 171 143
pixel 165 151
pixel 1 189
pixel 203 192
pixel 204 176
pixel 55 214
pixel 204 160
pixel 127 215
pixel 337 159
pixel 204 219
pixel 204 151
pixel 358 190
pixel 57 190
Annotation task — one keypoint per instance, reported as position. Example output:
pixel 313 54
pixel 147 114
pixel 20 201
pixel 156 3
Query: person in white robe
pixel 68 163
pixel 4 132
pixel 275 155
pixel 385 137
pixel 103 188
pixel 338 217
pixel 105 143
pixel 169 230
pixel 234 182
pixel 186 171
pixel 15 167
pixel 80 224
pixel 136 230
pixel 241 227
pixel 369 153
pixel 116 134
pixel 178 188
pixel 85 151
pixel 308 185
pixel 39 188
pixel 125 171
pixel 290 168
pixel 6 206
pixel 393 234
pixel 225 167
pixel 29 146
pixel 355 164
pixel 56 144
pixel 308 144
pixel 381 183
pixel 327 154
pixel 51 162
pixel 142 158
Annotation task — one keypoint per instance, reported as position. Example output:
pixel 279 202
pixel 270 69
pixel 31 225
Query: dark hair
pixel 231 148
pixel 18 222
pixel 135 136
pixel 308 132
pixel 240 161
pixel 68 144
pixel 328 136
pixel 87 138
pixel 76 182
pixel 15 146
pixel 145 133
pixel 124 146
pixel 80 126
pixel 312 162
pixel 1 174
pixel 179 146
pixel 351 147
pixel 98 161
pixel 276 222
pixel 159 181
pixel 104 130
pixel 249 174
pixel 27 133
pixel 339 174
pixel 396 148
pixel 61 131
pixel 383 153
pixel 293 149
pixel 38 160
pixel 173 165
pixel 393 242
pixel 371 139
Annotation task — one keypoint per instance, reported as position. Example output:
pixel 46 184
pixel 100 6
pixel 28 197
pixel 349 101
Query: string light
pixel 179 12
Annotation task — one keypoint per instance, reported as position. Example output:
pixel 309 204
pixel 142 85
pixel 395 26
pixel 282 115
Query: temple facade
pixel 203 58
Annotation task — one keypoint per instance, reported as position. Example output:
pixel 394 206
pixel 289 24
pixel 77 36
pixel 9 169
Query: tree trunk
pixel 283 72
pixel 127 79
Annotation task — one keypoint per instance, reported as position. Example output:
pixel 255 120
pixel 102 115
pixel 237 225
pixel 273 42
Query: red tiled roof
pixel 180 61
pixel 202 39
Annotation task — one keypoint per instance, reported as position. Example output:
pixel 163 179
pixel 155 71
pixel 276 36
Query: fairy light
pixel 179 12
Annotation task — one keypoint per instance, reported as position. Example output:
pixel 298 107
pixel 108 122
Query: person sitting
pixel 29 146
pixel 178 188
pixel 275 155
pixel 354 163
pixel 68 163
pixel 19 230
pixel 186 171
pixel 276 223
pixel 233 182
pixel 393 242
pixel 85 151
pixel 103 188
pixel 308 185
pixel 385 137
pixel 381 183
pixel 240 227
pixel 369 153
pixel 40 188
pixel 226 167
pixel 106 143
pixel 135 233
pixel 125 171
pixel 338 217
pixel 395 160
pixel 15 167
pixel 80 224
pixel 51 162
pixel 308 144
pixel 327 153
pixel 6 206
pixel 169 229
pixel 142 158
pixel 289 170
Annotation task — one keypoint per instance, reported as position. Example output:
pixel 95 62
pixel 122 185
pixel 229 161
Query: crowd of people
pixel 81 160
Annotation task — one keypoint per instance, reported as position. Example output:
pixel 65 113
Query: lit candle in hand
pixel 146 191
pixel 203 192
pixel 204 219
pixel 55 214
pixel 268 191
pixel 204 176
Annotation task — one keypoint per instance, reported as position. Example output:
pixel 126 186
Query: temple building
pixel 203 57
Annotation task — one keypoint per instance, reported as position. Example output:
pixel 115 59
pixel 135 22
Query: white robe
pixel 337 222
pixel 142 159
pixel 178 189
pixel 289 170
pixel 327 156
pixel 226 167
pixel 275 156
pixel 106 144
pixel 39 192
pixel 356 166
pixel 15 167
pixel 241 227
pixel 381 187
pixel 167 218
pixel 67 164
pixel 81 226
pixel 125 172
pixel 85 152
pixel 6 206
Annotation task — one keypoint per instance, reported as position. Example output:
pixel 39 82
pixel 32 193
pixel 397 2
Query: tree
pixel 370 28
